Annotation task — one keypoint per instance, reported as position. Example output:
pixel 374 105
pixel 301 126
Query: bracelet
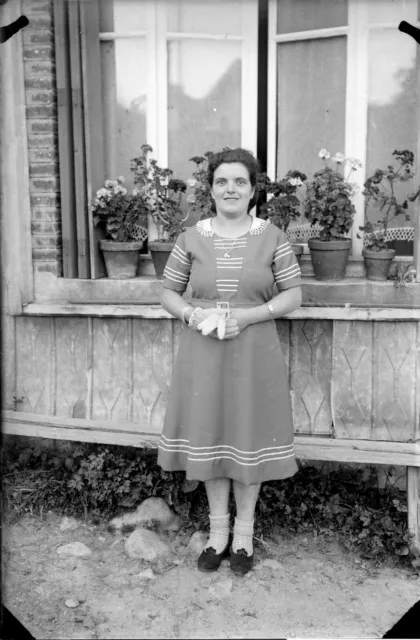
pixel 193 322
pixel 183 312
pixel 271 310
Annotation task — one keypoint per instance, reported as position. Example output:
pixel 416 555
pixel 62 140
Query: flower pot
pixel 298 251
pixel 121 258
pixel 378 263
pixel 160 253
pixel 329 258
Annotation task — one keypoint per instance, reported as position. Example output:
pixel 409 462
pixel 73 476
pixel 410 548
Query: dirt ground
pixel 299 587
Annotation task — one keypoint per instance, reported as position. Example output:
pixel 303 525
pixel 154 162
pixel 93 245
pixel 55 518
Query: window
pixel 342 77
pixel 180 75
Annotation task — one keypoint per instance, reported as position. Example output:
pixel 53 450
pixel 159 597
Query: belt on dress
pixel 223 304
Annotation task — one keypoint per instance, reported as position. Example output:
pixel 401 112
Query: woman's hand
pixel 241 316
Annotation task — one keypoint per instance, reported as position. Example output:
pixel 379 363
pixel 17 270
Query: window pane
pixel 205 16
pixel 304 15
pixel 393 101
pixel 204 100
pixel 122 15
pixel 311 102
pixel 383 11
pixel 124 73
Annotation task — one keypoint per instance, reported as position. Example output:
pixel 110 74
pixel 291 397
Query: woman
pixel 229 416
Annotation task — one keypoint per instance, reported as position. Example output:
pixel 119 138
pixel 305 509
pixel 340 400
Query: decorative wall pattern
pixel 348 379
pixel 310 377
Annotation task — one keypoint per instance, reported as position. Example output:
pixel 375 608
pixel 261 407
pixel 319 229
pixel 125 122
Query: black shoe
pixel 209 560
pixel 241 562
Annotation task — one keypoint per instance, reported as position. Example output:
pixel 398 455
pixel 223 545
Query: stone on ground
pixel 147 574
pixel 78 549
pixel 69 524
pixel 146 545
pixel 221 589
pixel 196 542
pixel 152 511
pixel 71 603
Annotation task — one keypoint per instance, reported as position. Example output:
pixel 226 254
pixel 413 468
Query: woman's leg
pixel 246 497
pixel 218 496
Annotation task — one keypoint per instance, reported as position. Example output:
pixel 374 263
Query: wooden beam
pixel 360 451
pixel 307 448
pixel 413 505
pixel 148 309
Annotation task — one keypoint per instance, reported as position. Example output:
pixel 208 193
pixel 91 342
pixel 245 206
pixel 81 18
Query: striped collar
pixel 258 226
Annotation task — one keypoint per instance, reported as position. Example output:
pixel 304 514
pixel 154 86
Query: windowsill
pixel 144 291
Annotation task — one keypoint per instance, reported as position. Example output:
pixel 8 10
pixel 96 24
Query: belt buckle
pixel 225 306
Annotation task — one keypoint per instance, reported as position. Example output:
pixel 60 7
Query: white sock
pixel 219 533
pixel 243 533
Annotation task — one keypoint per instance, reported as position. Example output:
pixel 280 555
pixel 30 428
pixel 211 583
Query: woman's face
pixel 232 189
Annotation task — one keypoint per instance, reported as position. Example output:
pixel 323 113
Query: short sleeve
pixel 177 271
pixel 285 267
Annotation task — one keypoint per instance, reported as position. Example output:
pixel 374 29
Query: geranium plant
pixel 163 194
pixel 328 197
pixel 122 214
pixel 380 196
pixel 201 200
pixel 285 204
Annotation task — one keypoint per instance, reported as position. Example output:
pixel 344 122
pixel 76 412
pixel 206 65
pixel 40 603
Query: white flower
pixel 354 163
pixel 135 192
pixel 295 182
pixel 110 183
pixel 191 182
pixel 338 158
pixel 324 154
pixel 121 190
pixel 191 199
pixel 121 179
pixel 102 193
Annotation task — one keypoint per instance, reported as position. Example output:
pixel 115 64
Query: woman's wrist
pixel 186 313
pixel 259 314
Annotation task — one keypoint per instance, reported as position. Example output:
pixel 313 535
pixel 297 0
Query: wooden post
pixel 413 504
pixel 14 173
pixel 15 213
pixel 417 203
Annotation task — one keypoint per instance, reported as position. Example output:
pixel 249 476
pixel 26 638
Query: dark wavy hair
pixel 235 155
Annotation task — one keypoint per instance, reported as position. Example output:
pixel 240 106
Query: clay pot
pixel 378 263
pixel 121 258
pixel 160 253
pixel 329 258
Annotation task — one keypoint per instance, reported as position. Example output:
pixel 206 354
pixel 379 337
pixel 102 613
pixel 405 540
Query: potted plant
pixel 328 203
pixel 284 205
pixel 123 217
pixel 381 197
pixel 164 196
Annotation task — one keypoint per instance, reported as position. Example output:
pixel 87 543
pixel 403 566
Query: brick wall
pixel 41 117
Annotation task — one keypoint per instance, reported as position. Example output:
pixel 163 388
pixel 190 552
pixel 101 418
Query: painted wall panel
pixel 395 384
pixel 72 367
pixel 310 362
pixel 110 383
pixel 351 380
pixel 34 355
pixel 152 368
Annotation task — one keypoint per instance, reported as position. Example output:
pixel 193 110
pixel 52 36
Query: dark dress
pixel 229 412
